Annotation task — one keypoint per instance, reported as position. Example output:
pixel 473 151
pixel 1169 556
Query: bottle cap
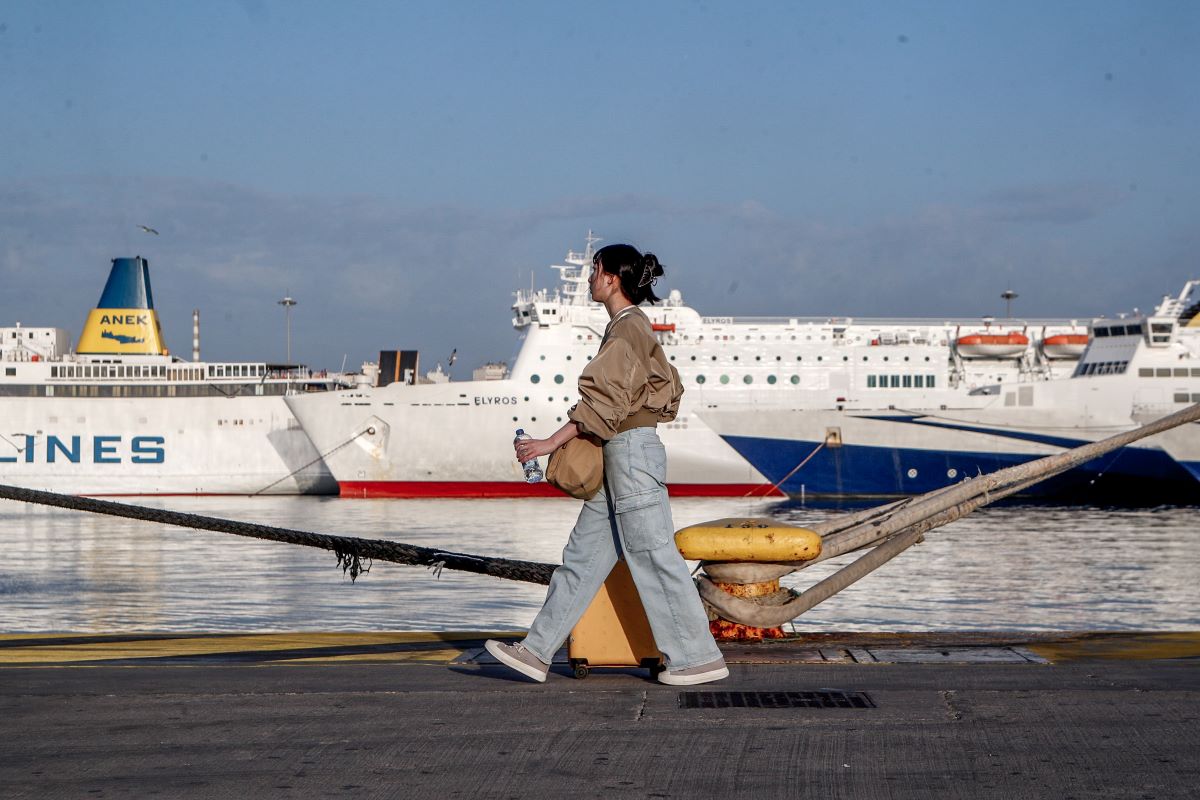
pixel 520 431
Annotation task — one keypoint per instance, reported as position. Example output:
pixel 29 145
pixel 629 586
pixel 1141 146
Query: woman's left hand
pixel 532 448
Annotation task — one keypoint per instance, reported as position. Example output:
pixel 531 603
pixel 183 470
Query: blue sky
pixel 400 168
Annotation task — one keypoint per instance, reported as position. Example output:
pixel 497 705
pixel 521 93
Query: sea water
pixel 1007 567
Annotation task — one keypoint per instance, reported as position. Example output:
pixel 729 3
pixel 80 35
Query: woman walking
pixel 625 391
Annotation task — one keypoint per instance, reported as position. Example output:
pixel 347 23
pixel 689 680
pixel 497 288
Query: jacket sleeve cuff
pixel 590 422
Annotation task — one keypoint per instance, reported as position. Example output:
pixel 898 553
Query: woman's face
pixel 601 283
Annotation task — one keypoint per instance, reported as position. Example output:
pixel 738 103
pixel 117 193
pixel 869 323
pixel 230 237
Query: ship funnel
pixel 124 322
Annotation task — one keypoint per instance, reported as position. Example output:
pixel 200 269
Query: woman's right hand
pixel 532 448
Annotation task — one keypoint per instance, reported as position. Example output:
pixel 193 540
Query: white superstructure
pixel 454 438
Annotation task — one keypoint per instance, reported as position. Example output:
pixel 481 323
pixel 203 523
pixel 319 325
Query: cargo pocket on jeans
pixel 641 521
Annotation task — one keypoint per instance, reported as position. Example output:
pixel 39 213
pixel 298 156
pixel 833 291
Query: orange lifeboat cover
pixel 1067 339
pixel 994 338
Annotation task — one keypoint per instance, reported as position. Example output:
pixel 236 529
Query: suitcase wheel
pixel 580 667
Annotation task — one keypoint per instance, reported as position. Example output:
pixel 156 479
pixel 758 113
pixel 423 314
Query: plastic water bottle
pixel 533 473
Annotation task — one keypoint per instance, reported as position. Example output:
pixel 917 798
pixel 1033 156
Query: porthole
pixel 795 379
pixel 845 358
pixel 735 358
pixel 771 379
pixel 568 358
pixel 912 473
pixel 748 379
pixel 526 399
pixel 779 358
pixel 699 379
pixel 693 358
pixel 758 358
pixel 951 473
pixel 542 357
pixel 724 379
pixel 558 378
pixel 535 378
pixel 714 358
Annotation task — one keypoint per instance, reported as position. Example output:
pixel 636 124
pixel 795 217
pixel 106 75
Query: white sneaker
pixel 517 657
pixel 705 673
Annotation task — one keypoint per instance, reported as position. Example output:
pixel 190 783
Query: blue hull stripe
pixel 1149 475
pixel 1024 436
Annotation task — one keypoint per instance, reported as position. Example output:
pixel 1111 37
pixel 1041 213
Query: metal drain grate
pixel 825 698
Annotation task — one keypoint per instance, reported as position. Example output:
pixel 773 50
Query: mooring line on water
pixel 368 431
pixel 795 469
pixel 351 551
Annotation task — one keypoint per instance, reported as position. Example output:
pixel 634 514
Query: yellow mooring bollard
pixel 745 557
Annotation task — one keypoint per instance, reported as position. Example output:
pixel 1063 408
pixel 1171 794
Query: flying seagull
pixel 453 356
pixel 148 229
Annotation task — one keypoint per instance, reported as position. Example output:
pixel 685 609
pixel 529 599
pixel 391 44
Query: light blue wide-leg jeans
pixel 630 518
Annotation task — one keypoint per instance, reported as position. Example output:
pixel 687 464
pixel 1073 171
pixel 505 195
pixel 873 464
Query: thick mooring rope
pixel 351 551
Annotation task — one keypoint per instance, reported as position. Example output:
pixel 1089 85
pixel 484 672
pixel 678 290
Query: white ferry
pixel 409 436
pixel 119 415
pixel 887 440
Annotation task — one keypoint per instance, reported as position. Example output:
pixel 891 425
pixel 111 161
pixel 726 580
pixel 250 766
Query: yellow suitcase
pixel 614 631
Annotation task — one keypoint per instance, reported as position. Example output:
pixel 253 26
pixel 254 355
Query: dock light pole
pixel 1008 296
pixel 287 302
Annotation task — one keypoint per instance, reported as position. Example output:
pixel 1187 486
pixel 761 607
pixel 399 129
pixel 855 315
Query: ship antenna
pixel 591 240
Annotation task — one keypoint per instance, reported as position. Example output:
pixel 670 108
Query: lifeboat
pixel 668 327
pixel 1065 345
pixel 992 345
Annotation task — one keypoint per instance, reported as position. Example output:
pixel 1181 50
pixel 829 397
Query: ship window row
pixel 1182 397
pixel 169 390
pixel 799 358
pixel 1118 330
pixel 1104 368
pixel 1168 372
pixel 901 381
pixel 748 379
pixel 153 371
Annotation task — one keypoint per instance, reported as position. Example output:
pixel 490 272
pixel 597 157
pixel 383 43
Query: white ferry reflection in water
pixel 410 435
pixel 121 416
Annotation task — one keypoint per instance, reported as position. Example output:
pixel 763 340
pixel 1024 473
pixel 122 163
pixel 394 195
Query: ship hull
pixel 455 440
pixel 158 446
pixel 891 453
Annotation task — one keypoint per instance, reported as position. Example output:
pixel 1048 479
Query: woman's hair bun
pixel 651 269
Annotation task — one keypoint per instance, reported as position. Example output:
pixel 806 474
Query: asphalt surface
pixel 425 716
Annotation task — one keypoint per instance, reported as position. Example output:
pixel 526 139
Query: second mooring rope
pixel 351 551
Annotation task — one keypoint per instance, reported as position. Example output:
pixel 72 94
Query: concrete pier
pixel 425 715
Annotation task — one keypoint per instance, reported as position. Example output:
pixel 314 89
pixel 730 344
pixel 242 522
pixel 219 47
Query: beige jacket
pixel 629 380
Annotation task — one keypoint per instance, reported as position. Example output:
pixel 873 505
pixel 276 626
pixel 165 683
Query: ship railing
pixel 895 322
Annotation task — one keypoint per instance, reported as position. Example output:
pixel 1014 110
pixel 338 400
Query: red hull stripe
pixel 414 489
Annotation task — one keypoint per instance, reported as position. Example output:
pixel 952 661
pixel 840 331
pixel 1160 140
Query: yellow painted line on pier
pixel 1120 646
pixel 273 648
